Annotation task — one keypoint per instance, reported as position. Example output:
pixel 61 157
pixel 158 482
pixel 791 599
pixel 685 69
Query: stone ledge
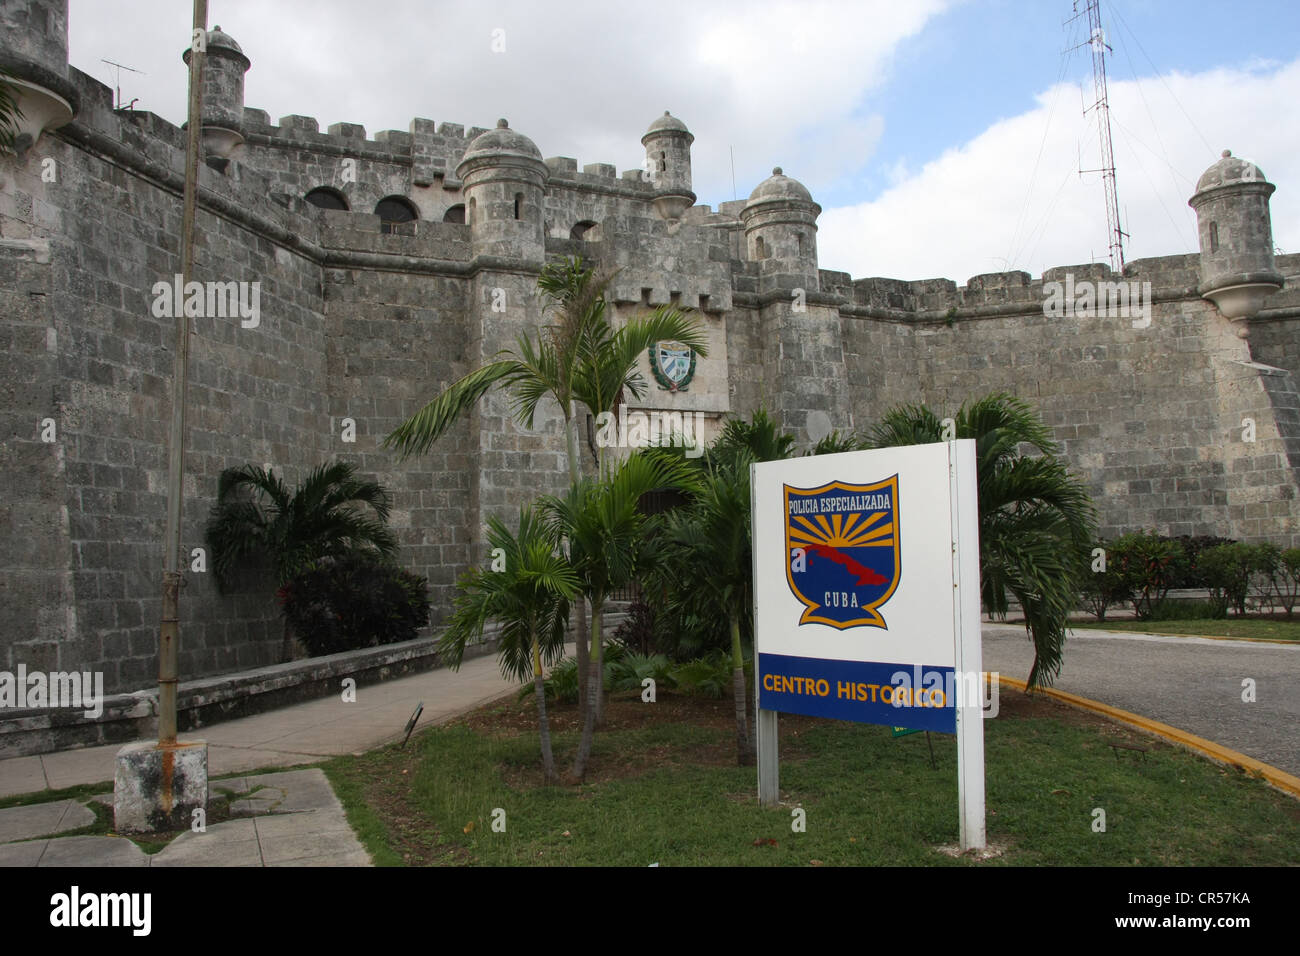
pixel 212 699
pixel 208 700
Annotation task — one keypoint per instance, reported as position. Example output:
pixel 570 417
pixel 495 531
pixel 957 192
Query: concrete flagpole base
pixel 159 787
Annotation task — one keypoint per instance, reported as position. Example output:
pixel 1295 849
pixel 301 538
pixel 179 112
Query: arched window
pixel 393 211
pixel 1214 237
pixel 455 214
pixel 469 212
pixel 327 198
pixel 580 229
pixel 800 235
pixel 760 248
pixel 519 205
pixel 663 162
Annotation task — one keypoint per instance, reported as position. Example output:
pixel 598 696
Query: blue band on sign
pixel 868 692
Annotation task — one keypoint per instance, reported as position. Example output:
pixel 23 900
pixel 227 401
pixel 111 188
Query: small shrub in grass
pixel 630 669
pixel 560 686
pixel 711 676
pixel 354 601
pixel 704 677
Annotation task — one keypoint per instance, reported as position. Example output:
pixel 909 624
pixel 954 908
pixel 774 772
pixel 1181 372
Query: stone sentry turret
pixel 1236 237
pixel 223 93
pixel 781 233
pixel 35 54
pixel 504 178
pixel 668 163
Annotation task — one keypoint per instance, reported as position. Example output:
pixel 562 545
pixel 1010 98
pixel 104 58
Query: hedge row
pixel 1141 568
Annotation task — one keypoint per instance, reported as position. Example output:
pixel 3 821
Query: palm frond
pixel 418 433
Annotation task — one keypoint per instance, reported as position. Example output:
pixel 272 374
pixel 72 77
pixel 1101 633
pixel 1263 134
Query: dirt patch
pixel 410 834
pixel 627 712
pixel 1017 705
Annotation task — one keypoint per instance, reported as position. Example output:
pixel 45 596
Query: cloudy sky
pixel 941 137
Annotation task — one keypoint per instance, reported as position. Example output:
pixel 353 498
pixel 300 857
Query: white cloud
pixel 783 83
pixel 982 207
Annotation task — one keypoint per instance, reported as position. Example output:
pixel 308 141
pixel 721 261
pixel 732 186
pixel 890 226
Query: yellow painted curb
pixel 1279 779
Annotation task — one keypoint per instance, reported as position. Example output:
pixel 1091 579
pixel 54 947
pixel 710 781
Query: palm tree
pixel 1036 519
pixel 604 527
pixel 580 357
pixel 758 439
pixel 529 597
pixel 331 513
pixel 705 553
pixel 706 549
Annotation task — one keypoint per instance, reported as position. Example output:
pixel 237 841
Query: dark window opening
pixel 519 205
pixel 704 303
pixel 1214 237
pixel 455 214
pixel 663 162
pixel 393 213
pixel 580 229
pixel 326 198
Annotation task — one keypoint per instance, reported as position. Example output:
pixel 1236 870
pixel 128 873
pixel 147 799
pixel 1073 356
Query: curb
pixel 1275 778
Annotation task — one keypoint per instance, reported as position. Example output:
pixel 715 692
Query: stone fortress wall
pixel 365 317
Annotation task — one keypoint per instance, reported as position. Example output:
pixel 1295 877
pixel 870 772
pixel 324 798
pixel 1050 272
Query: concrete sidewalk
pixel 295 735
pixel 280 819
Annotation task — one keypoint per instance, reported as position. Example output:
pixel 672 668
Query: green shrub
pixel 1230 570
pixel 711 675
pixel 1191 576
pixel 1149 565
pixel 637 630
pixel 1268 573
pixel 354 601
pixel 628 670
pixel 561 685
pixel 1286 582
pixel 1103 589
pixel 705 676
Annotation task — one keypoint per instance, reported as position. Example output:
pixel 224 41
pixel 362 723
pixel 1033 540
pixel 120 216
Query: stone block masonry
pixel 387 268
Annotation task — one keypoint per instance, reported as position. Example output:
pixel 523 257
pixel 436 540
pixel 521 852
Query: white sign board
pixel 866 599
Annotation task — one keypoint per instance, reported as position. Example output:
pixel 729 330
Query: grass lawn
pixel 663 788
pixel 1256 627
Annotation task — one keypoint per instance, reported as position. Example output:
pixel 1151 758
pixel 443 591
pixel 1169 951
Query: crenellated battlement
pixel 1004 293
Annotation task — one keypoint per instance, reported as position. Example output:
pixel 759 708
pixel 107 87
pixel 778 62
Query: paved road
pixel 1191 683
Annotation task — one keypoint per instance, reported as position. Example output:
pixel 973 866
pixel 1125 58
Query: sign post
pixel 866 601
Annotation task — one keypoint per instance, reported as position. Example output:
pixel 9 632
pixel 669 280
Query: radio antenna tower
pixel 1097 40
pixel 118 84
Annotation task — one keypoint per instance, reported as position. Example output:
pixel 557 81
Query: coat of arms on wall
pixel 673 365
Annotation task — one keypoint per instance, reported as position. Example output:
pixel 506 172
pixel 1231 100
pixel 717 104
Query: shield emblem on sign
pixel 673 365
pixel 842 542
